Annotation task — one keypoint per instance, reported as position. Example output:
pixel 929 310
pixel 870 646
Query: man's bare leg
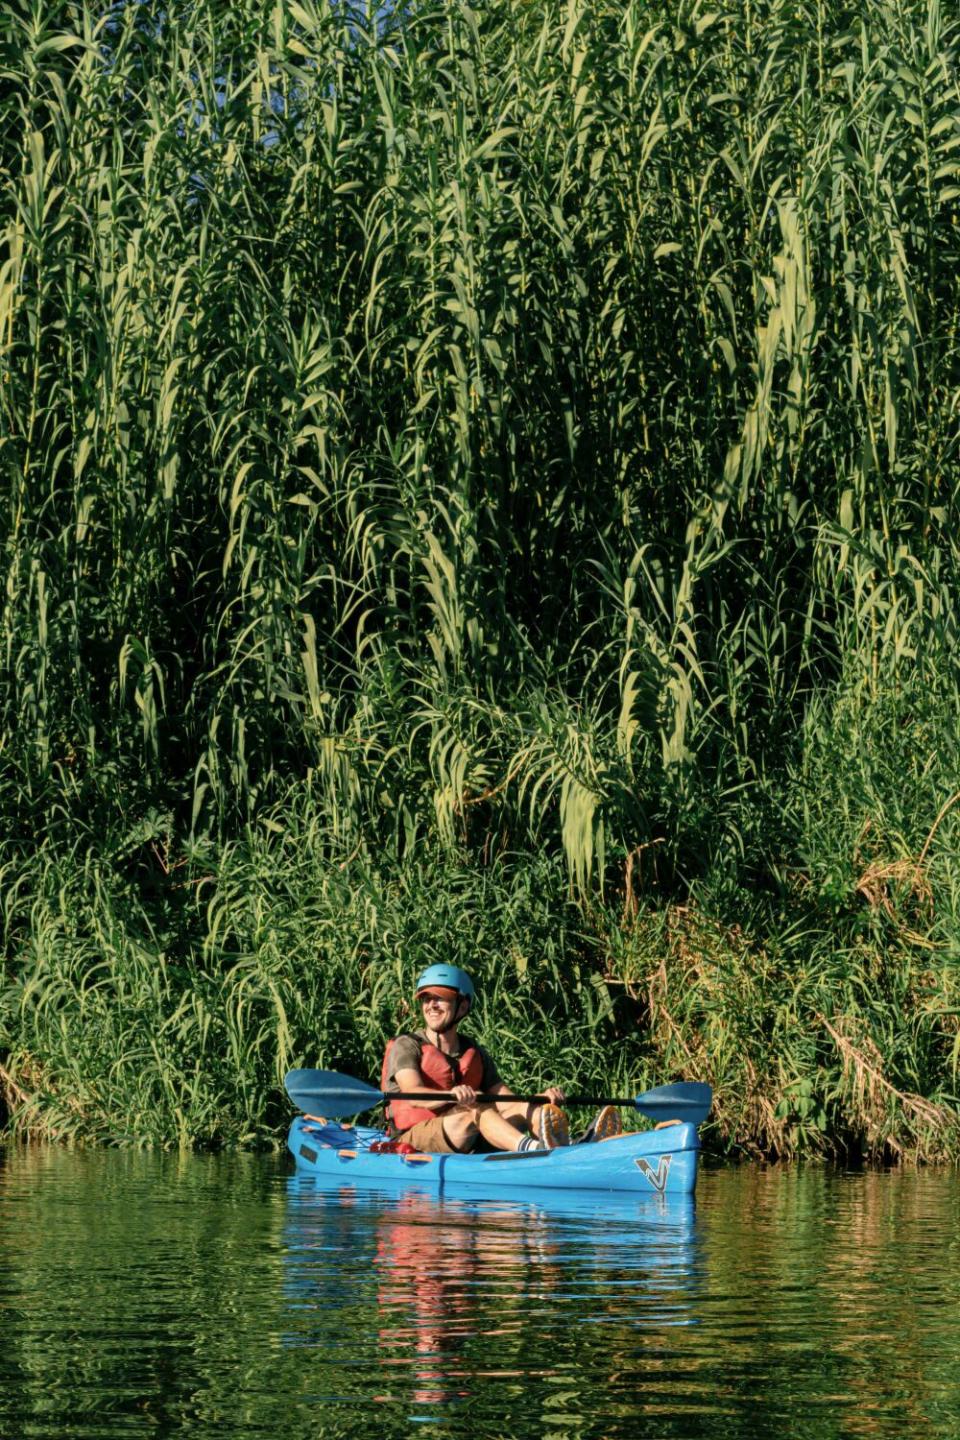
pixel 503 1133
pixel 503 1124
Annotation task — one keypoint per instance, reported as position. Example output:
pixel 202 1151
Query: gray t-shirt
pixel 405 1055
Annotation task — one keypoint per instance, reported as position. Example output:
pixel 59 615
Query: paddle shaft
pixel 523 1099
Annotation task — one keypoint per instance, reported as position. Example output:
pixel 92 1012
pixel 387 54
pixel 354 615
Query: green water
pixel 149 1295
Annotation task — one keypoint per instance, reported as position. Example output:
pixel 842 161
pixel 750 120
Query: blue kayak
pixel 649 1162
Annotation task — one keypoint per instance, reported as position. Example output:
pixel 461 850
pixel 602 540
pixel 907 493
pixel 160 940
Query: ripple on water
pixel 163 1295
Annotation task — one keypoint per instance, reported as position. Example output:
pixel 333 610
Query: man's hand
pixel 464 1094
pixel 554 1094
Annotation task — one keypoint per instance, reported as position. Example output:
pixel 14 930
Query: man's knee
pixel 465 1118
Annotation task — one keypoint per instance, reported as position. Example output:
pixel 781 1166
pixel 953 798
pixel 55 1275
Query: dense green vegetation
pixel 481 483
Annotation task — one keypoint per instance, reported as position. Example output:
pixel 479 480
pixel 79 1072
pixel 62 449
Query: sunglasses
pixel 430 999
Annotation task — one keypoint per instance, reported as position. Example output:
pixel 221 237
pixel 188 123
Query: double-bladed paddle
pixel 334 1096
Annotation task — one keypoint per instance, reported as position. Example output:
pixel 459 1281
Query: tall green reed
pixel 326 349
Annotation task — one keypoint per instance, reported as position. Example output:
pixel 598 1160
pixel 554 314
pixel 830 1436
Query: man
pixel 438 1057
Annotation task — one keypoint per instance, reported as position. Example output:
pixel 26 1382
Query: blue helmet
pixel 450 977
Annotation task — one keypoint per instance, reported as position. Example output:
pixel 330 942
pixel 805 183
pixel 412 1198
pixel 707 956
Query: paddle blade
pixel 687 1100
pixel 324 1092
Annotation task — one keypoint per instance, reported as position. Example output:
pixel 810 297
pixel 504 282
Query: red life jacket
pixel 439 1073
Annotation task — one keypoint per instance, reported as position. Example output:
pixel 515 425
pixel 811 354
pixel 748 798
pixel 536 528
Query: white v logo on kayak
pixel 658 1177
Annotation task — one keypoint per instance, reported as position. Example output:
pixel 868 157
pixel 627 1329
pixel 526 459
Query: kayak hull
pixel 651 1162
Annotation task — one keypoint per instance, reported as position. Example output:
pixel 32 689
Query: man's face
pixel 439 1006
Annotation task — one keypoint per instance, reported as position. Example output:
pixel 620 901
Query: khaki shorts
pixel 428 1136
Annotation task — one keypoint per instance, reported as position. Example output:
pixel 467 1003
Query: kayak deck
pixel 650 1162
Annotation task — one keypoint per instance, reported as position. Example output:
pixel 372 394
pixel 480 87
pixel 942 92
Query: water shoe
pixel 552 1127
pixel 606 1123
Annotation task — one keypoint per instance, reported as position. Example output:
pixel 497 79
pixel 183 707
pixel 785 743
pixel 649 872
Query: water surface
pixel 157 1295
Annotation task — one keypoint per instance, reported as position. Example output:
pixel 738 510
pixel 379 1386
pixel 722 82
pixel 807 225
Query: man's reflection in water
pixel 432 1265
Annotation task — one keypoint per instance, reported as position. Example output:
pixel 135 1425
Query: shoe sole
pixel 608 1128
pixel 554 1133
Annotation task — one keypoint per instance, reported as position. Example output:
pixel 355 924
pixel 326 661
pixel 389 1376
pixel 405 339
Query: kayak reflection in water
pixel 438 1057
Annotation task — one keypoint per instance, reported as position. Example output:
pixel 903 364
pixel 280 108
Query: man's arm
pixel 411 1082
